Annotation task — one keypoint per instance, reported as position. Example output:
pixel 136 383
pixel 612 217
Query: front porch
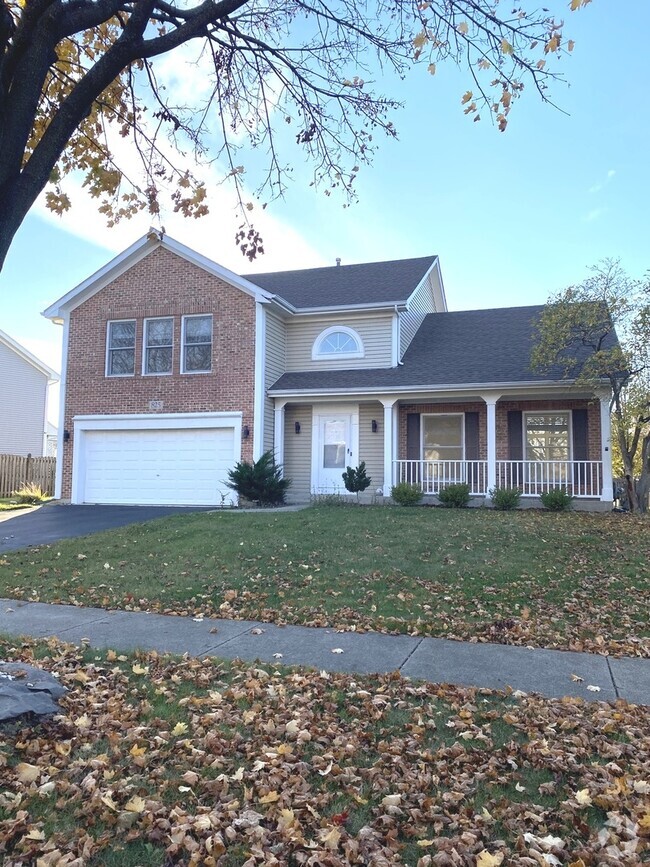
pixel 535 443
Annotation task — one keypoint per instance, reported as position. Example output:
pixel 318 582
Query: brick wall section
pixel 503 407
pixel 162 284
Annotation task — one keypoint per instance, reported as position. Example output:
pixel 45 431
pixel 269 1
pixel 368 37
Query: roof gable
pixel 372 284
pixel 27 356
pixel 131 256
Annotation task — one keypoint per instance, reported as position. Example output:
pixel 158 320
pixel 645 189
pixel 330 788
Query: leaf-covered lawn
pixel 578 581
pixel 156 760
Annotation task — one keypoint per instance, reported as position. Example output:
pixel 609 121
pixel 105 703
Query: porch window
pixel 443 446
pixel 442 437
pixel 547 436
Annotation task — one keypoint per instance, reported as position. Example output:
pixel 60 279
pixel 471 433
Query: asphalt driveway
pixel 50 523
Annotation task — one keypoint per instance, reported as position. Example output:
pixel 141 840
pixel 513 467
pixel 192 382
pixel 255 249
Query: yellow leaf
pixel 463 27
pixel 35 834
pixel 108 801
pixel 27 773
pixel 82 722
pixel 137 751
pixel 140 669
pixel 644 822
pixel 135 804
pixel 552 45
pixel 420 40
pixel 330 839
pixel 485 859
pixel 270 798
pixel 506 48
pixel 466 97
pixel 111 656
pixel 238 776
pixel 583 798
pixel 425 843
pixel 179 729
pixel 391 801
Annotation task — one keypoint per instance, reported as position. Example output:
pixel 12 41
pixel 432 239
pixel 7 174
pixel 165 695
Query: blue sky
pixel 513 216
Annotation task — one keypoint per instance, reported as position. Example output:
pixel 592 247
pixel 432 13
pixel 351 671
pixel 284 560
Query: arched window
pixel 337 342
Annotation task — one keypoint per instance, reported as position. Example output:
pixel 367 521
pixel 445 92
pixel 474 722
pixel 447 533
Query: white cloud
pixel 597 187
pixel 594 214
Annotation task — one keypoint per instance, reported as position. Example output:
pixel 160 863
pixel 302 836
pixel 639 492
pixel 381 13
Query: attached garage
pixel 176 459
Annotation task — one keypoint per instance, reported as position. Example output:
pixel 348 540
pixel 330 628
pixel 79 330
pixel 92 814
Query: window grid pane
pixel 547 437
pixel 121 348
pixel 337 343
pixel 442 438
pixel 197 346
pixel 159 336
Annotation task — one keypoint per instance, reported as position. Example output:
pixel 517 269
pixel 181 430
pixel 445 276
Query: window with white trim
pixel 443 437
pixel 547 436
pixel 339 341
pixel 158 346
pixel 197 344
pixel 120 348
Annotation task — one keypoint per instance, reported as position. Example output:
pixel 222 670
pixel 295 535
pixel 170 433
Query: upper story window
pixel 197 344
pixel 337 342
pixel 158 345
pixel 120 348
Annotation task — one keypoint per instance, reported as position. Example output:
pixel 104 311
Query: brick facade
pixel 502 409
pixel 161 284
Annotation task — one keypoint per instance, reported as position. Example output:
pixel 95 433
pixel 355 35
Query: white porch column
pixel 278 432
pixel 607 492
pixel 389 444
pixel 491 405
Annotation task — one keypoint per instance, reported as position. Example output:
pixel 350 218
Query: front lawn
pixel 9 504
pixel 160 761
pixel 576 580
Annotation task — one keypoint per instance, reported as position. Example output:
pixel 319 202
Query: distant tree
pixel 607 304
pixel 75 75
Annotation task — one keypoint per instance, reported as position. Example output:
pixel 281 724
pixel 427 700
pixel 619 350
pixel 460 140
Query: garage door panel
pixel 157 467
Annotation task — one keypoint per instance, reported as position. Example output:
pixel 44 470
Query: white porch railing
pixel 432 476
pixel 578 478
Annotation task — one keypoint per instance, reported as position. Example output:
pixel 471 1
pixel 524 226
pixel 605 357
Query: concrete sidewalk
pixel 495 666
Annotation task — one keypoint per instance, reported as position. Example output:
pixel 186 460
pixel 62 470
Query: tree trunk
pixel 643 485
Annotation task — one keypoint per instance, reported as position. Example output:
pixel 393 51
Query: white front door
pixel 335 452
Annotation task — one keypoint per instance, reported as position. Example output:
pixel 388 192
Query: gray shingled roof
pixel 467 347
pixel 342 285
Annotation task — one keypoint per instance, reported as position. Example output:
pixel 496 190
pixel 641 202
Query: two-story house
pixel 24 390
pixel 174 368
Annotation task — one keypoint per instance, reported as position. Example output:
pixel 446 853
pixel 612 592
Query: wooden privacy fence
pixel 18 470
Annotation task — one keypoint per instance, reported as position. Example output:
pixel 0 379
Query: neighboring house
pixel 24 387
pixel 51 440
pixel 175 368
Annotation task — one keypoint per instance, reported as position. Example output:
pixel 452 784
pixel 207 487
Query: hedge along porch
pixel 490 439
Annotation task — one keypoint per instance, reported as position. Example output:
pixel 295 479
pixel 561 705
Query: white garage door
pixel 157 467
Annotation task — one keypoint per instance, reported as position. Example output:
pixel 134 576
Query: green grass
pixel 469 769
pixel 7 504
pixel 571 580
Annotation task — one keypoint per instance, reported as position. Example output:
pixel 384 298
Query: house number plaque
pixel 156 405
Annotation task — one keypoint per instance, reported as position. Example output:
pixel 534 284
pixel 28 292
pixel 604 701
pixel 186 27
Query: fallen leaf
pixel 27 773
pixel 486 859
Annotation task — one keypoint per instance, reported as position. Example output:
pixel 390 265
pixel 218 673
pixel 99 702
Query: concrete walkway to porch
pixel 551 673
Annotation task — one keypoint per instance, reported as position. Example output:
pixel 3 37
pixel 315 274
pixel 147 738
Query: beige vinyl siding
pixel 423 302
pixel 375 333
pixel 297 451
pixel 371 445
pixel 22 397
pixel 274 367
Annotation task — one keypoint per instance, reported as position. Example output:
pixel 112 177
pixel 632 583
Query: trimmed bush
pixel 556 500
pixel 455 496
pixel 356 481
pixel 405 494
pixel 505 499
pixel 260 482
